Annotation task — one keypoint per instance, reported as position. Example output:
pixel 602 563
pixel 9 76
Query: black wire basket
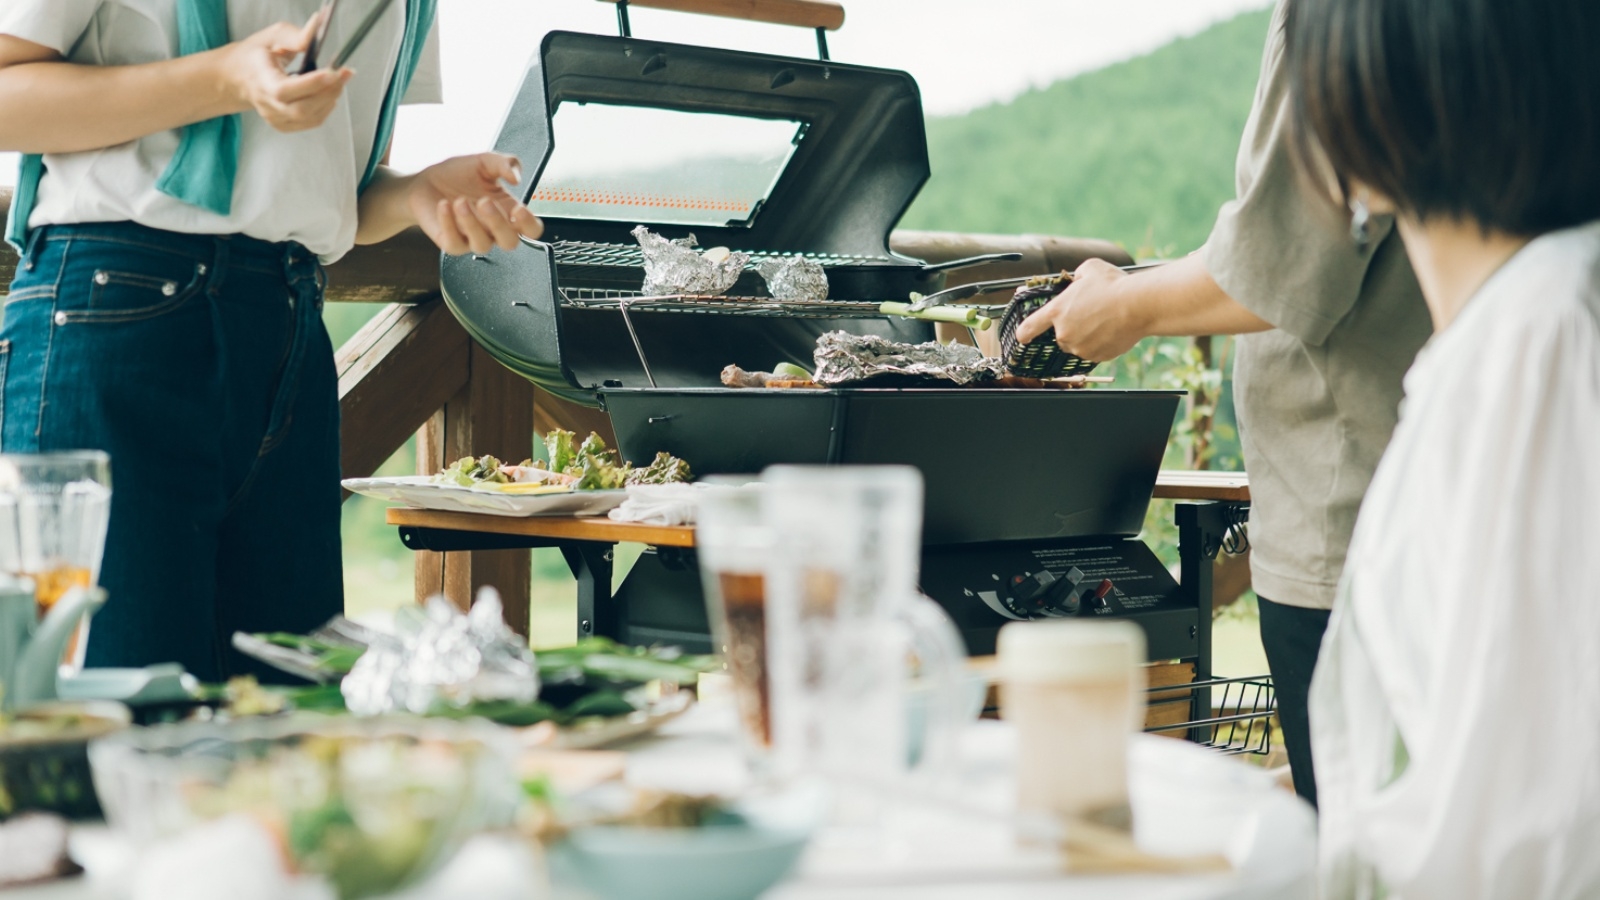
pixel 1043 358
pixel 1230 715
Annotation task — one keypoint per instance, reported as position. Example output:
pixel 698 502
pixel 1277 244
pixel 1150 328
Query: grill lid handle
pixel 971 261
pixel 818 14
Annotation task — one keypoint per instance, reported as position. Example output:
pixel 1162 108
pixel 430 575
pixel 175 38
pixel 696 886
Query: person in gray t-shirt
pixel 1330 323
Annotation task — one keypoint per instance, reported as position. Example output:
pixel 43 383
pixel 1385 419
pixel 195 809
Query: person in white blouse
pixel 182 184
pixel 1455 712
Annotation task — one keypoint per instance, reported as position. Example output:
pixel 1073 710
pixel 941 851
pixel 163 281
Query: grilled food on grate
pixel 735 377
pixel 1043 358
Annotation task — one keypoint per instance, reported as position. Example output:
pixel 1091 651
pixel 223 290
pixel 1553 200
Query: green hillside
pixel 1141 152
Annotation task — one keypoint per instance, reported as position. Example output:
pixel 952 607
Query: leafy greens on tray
pixel 589 466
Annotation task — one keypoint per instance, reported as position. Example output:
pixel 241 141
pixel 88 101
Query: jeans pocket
pixel 120 296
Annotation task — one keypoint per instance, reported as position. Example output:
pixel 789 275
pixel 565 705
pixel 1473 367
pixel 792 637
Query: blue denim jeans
pixel 201 365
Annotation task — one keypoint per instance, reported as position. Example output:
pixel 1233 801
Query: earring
pixel 1360 222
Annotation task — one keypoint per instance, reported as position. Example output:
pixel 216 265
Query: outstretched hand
pixel 463 205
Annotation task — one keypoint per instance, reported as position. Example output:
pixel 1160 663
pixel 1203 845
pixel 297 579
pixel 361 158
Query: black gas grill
pixel 1034 497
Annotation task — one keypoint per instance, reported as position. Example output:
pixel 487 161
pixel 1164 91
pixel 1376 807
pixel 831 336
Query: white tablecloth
pixel 1187 800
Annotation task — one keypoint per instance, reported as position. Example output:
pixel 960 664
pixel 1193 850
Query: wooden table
pixel 1214 504
pixel 1225 487
pixel 596 529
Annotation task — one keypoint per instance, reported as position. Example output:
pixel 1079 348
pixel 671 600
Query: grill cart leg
pixel 598 611
pixel 1201 529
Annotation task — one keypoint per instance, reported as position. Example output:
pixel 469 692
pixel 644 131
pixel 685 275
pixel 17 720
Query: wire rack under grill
pixel 634 301
pixel 589 253
pixel 1238 718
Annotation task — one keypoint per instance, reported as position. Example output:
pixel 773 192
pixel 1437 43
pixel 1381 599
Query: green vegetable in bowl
pixel 372 805
pixel 359 863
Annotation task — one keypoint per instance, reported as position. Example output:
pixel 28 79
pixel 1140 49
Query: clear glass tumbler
pixel 844 617
pixel 733 544
pixel 54 510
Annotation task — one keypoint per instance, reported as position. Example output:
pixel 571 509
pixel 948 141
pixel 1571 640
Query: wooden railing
pixel 412 369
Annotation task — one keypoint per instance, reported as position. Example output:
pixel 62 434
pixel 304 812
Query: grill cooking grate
pixel 589 253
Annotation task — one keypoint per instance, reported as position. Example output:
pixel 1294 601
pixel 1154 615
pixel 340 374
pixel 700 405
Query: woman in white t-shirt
pixel 1455 712
pixel 180 191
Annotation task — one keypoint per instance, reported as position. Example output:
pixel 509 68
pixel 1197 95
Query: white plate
pixel 418 491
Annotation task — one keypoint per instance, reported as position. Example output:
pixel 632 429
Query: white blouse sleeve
pixel 57 24
pixel 1491 677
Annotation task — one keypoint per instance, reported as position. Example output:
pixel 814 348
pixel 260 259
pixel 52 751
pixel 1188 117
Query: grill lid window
pixel 636 163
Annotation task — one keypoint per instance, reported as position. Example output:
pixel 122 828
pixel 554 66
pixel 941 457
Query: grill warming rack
pixel 625 301
pixel 596 254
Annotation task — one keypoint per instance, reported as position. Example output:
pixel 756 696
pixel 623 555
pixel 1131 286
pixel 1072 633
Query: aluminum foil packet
pixel 444 657
pixel 844 358
pixel 675 267
pixel 794 278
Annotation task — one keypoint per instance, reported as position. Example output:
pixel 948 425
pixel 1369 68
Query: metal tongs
pixel 979 288
pixel 308 62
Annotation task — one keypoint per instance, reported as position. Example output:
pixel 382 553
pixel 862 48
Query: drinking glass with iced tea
pixel 54 510
pixel 732 543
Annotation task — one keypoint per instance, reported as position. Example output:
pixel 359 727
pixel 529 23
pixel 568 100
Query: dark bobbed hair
pixel 1480 111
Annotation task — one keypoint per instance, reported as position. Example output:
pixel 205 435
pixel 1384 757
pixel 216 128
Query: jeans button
pixel 102 278
pixel 61 318
pixel 200 269
pixel 168 289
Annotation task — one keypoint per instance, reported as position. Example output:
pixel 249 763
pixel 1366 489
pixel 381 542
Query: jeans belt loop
pixel 220 259
pixel 30 247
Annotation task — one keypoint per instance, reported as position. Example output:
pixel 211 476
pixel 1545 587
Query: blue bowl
pixel 736 861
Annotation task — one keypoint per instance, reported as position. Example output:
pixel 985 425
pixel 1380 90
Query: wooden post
pixel 394 374
pixel 492 414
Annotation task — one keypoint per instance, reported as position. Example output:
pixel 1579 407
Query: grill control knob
pixel 1097 597
pixel 1031 590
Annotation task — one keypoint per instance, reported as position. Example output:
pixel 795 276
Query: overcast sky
pixel 963 53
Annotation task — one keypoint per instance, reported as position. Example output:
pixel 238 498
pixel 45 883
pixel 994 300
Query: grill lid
pixel 759 153
pixel 746 150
